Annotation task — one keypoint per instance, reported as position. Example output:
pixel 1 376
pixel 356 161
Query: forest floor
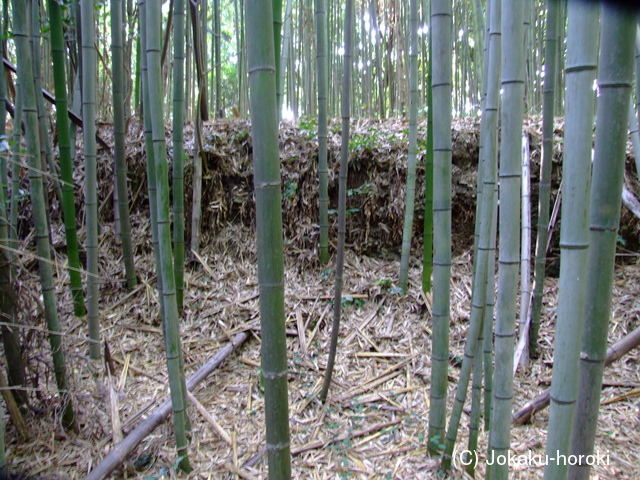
pixel 375 422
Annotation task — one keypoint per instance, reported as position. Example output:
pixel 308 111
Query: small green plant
pixel 350 211
pixel 290 189
pixel 308 125
pixel 212 138
pixel 356 302
pixel 385 283
pixel 365 143
pixel 436 440
pixel 239 137
pixel 365 188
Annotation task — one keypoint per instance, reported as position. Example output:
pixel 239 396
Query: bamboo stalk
pixel 544 185
pixel 267 180
pixel 342 196
pixel 172 341
pixel 66 162
pixel 582 57
pixel 615 79
pixel 407 231
pixel 27 92
pixel 442 58
pixel 323 171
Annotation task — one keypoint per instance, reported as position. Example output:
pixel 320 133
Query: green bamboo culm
pixel 489 309
pixel 148 141
pixel 277 41
pixel 119 142
pixel 10 336
pixel 323 171
pixel 476 388
pixel 544 185
pixel 441 25
pixel 90 171
pixel 476 397
pixel 342 196
pixel 483 127
pixel 485 225
pixel 513 77
pixel 153 11
pixel 76 96
pixel 218 41
pixel 15 173
pixel 582 61
pixel 28 94
pixel 178 147
pixel 137 86
pixel 427 248
pixel 266 166
pixel 634 133
pixel 488 159
pixel 66 162
pixel 407 231
pixel 615 79
pixel 45 142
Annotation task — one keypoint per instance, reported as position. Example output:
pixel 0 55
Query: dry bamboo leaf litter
pixel 219 304
pixel 233 396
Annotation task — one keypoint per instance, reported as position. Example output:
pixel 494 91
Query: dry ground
pixel 374 425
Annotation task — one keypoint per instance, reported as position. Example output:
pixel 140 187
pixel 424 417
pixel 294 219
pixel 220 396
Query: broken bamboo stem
pixel 124 448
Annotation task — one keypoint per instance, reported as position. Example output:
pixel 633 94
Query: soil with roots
pixel 375 422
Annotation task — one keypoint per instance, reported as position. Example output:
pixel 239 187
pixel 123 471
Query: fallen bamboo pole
pixel 628 343
pixel 124 448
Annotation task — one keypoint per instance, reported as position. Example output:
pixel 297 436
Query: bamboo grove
pixel 193 62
